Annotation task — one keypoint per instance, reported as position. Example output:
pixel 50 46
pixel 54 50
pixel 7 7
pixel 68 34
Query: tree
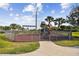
pixel 7 28
pixel 71 20
pixel 55 22
pixel 15 26
pixel 74 16
pixel 62 27
pixel 1 27
pixel 22 28
pixel 18 27
pixel 43 25
pixel 49 19
pixel 60 21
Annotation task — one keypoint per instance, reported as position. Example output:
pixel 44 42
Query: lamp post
pixel 36 14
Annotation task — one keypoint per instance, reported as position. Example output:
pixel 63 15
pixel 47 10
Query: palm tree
pixel 60 21
pixel 49 19
pixel 71 20
pixel 74 16
pixel 55 22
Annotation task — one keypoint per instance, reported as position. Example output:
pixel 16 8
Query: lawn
pixel 75 34
pixel 74 42
pixel 7 47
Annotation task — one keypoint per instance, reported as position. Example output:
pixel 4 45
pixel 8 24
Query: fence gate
pixel 56 35
pixel 60 35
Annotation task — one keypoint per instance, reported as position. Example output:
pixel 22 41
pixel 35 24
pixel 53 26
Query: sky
pixel 24 13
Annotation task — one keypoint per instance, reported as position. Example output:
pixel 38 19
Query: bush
pixel 1 32
pixel 54 28
pixel 62 27
pixel 68 27
pixel 75 28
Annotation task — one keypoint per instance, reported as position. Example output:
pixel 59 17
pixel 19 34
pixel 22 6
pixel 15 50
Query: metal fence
pixel 60 35
pixel 10 34
pixel 37 35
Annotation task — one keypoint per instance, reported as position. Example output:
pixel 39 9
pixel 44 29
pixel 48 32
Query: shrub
pixel 62 27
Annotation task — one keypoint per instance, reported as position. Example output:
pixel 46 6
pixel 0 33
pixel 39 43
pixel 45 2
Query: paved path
pixel 48 48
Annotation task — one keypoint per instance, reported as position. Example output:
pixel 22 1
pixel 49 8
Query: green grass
pixel 3 41
pixel 4 44
pixel 7 47
pixel 64 33
pixel 75 34
pixel 18 48
pixel 74 42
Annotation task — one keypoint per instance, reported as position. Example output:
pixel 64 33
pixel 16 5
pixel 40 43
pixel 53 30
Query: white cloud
pixel 16 18
pixel 11 14
pixel 11 9
pixel 29 8
pixel 40 7
pixel 28 20
pixel 32 8
pixel 4 5
pixel 65 5
pixel 24 19
pixel 17 15
pixel 62 11
pixel 52 11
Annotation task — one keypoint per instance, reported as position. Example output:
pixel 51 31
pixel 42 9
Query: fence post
pixel 70 35
pixel 13 35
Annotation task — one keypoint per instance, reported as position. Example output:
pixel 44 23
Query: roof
pixel 67 24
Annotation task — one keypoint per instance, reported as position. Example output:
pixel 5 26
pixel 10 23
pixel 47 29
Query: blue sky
pixel 23 13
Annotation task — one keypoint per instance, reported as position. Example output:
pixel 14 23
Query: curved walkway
pixel 48 48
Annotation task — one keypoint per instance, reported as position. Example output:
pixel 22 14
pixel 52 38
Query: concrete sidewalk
pixel 48 48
